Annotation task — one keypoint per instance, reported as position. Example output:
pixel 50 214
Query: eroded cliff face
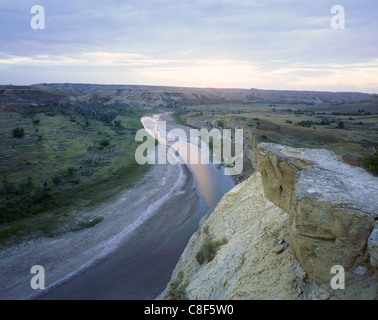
pixel 286 226
pixel 332 206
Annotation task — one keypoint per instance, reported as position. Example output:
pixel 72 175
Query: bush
pixel 370 162
pixel 57 179
pixel 340 125
pixel 177 290
pixel 209 248
pixel 88 224
pixel 75 181
pixel 104 142
pixel 70 171
pixel 18 133
pixel 305 123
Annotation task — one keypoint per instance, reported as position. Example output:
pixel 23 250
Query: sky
pixel 264 44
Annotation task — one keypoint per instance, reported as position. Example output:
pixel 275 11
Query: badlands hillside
pixel 274 236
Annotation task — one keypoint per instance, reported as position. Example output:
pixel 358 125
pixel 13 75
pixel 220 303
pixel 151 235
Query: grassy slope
pixel 46 151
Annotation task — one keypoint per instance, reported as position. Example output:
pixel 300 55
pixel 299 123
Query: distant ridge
pixel 156 95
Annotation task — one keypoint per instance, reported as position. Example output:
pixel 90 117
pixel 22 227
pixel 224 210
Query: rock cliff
pixel 286 226
pixel 331 204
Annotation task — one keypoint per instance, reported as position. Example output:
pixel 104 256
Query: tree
pixel 18 133
pixel 104 142
pixel 370 162
pixel 340 125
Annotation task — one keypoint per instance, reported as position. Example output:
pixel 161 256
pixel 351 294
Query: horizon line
pixel 183 87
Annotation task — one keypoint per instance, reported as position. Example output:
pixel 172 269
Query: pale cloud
pixel 281 44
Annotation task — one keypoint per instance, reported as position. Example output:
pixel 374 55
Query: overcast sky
pixel 280 44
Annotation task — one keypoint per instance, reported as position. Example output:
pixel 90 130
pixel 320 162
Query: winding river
pixel 141 269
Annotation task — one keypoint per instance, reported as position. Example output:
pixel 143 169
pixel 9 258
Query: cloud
pixel 281 43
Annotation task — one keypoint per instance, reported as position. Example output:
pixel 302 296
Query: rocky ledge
pixel 278 234
pixel 332 206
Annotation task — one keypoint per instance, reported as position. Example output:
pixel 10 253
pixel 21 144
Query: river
pixel 141 269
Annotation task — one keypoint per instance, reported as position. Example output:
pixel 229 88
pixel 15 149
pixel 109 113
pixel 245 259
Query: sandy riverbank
pixel 165 198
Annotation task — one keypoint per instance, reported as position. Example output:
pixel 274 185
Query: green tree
pixel 18 133
pixel 370 162
pixel 340 125
pixel 104 142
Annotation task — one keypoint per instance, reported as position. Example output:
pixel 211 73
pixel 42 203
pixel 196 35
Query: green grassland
pixel 297 125
pixel 65 164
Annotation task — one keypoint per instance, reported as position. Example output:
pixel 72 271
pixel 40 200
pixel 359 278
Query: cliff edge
pixel 278 234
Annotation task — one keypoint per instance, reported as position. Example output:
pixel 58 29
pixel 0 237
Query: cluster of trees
pixel 95 111
pixel 23 200
pixel 27 198
pixel 309 123
pixel 89 110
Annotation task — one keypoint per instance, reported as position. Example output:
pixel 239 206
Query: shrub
pixel 88 224
pixel 340 125
pixel 177 290
pixel 75 180
pixel 57 179
pixel 305 123
pixel 209 248
pixel 104 142
pixel 370 162
pixel 18 133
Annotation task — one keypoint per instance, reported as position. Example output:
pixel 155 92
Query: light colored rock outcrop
pixel 332 205
pixel 253 264
pixel 373 248
pixel 286 226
